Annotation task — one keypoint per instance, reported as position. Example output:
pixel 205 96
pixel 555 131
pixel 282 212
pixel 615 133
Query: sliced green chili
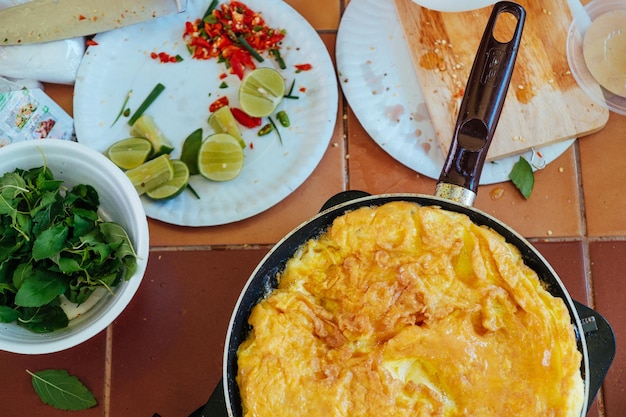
pixel 283 118
pixel 158 89
pixel 265 130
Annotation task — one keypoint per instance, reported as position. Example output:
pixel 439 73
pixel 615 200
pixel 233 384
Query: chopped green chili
pixel 265 130
pixel 283 118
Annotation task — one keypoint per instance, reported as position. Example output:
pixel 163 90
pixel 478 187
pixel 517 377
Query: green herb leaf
pixel 40 288
pixel 50 242
pixel 43 319
pixel 61 390
pixel 8 315
pixel 523 177
pixel 117 237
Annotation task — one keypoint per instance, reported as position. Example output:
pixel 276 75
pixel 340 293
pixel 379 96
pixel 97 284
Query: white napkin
pixel 53 62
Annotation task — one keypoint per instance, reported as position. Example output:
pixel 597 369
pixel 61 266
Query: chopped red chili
pixel 216 36
pixel 91 42
pixel 303 67
pixel 165 57
pixel 220 102
pixel 244 119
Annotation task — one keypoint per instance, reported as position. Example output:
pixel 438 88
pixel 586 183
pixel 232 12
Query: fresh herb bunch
pixel 53 242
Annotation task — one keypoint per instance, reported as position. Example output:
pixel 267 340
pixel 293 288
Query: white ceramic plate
pixel 378 80
pixel 121 62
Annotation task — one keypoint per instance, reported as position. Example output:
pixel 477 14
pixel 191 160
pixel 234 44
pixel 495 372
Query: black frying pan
pixel 456 190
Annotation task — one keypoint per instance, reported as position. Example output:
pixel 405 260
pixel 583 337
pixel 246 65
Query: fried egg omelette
pixel 405 310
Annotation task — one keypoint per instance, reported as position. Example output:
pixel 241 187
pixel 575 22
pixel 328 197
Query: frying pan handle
pixel 216 406
pixel 600 341
pixel 480 108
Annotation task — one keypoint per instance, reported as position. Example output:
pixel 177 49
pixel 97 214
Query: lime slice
pixel 223 121
pixel 151 174
pixel 220 157
pixel 174 186
pixel 145 127
pixel 261 92
pixel 189 153
pixel 130 153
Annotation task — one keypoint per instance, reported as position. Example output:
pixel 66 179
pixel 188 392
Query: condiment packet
pixel 53 62
pixel 29 113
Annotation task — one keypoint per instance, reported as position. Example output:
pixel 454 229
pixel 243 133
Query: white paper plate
pixel 454 5
pixel 378 80
pixel 121 62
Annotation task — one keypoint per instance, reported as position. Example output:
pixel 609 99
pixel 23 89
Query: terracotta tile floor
pixel 163 354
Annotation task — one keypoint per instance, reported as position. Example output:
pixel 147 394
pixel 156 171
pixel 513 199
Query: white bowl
pixel 454 5
pixel 78 164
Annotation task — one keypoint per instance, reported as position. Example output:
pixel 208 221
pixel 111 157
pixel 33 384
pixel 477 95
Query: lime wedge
pixel 223 121
pixel 220 157
pixel 189 153
pixel 261 91
pixel 145 127
pixel 130 153
pixel 151 174
pixel 173 187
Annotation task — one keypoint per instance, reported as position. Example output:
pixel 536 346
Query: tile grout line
pixel 587 256
pixel 108 364
pixel 585 230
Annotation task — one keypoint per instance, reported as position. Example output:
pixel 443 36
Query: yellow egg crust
pixel 404 310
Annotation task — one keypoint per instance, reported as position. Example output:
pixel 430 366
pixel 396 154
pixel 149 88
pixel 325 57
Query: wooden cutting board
pixel 544 103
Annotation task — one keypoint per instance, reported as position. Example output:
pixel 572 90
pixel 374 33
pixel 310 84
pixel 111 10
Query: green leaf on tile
pixel 59 389
pixel 523 177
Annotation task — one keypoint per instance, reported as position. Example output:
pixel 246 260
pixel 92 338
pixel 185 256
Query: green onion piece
pixel 158 89
pixel 212 6
pixel 130 92
pixel 293 84
pixel 279 59
pixel 289 93
pixel 250 49
pixel 193 191
pixel 280 138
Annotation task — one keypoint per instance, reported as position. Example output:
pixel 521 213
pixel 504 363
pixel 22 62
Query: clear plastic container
pixel 576 54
